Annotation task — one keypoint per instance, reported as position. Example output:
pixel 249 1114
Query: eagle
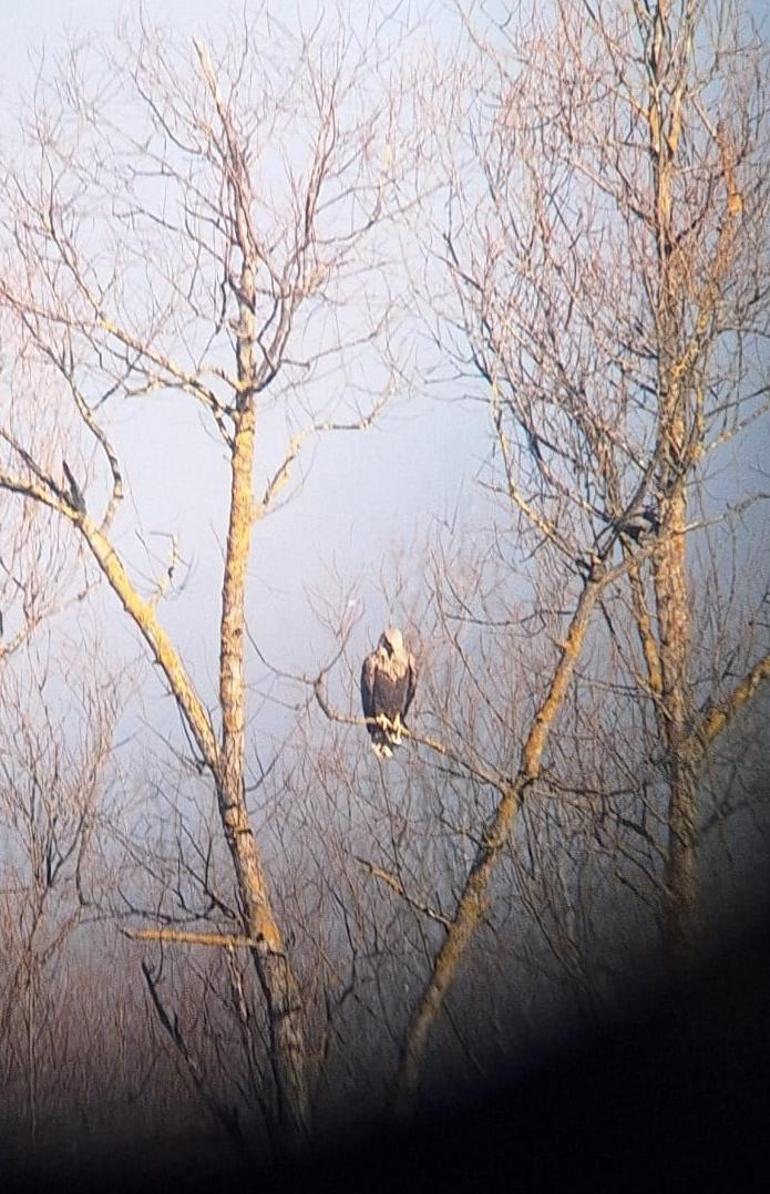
pixel 388 683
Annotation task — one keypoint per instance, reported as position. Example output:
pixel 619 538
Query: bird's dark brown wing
pixel 367 687
pixel 413 675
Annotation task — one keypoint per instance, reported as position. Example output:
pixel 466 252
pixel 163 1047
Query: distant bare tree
pixel 51 787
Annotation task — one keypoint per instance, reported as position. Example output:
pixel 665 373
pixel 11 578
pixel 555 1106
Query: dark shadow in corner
pixel 674 1095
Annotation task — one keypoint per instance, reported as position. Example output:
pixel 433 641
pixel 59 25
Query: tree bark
pixel 674 456
pixel 680 920
pixel 276 977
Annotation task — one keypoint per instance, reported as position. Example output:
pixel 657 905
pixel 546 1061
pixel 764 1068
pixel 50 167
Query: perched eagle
pixel 388 683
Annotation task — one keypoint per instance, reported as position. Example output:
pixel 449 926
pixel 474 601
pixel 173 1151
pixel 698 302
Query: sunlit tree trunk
pixel 282 995
pixel 668 59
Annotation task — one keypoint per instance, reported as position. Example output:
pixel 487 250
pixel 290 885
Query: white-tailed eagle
pixel 388 683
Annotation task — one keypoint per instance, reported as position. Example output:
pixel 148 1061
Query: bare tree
pixel 605 246
pixel 196 222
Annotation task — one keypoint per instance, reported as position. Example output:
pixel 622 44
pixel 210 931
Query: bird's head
pixel 392 642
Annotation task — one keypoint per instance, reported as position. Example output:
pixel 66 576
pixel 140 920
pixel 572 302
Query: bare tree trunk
pixel 282 996
pixel 472 902
pixel 681 871
pixel 667 58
